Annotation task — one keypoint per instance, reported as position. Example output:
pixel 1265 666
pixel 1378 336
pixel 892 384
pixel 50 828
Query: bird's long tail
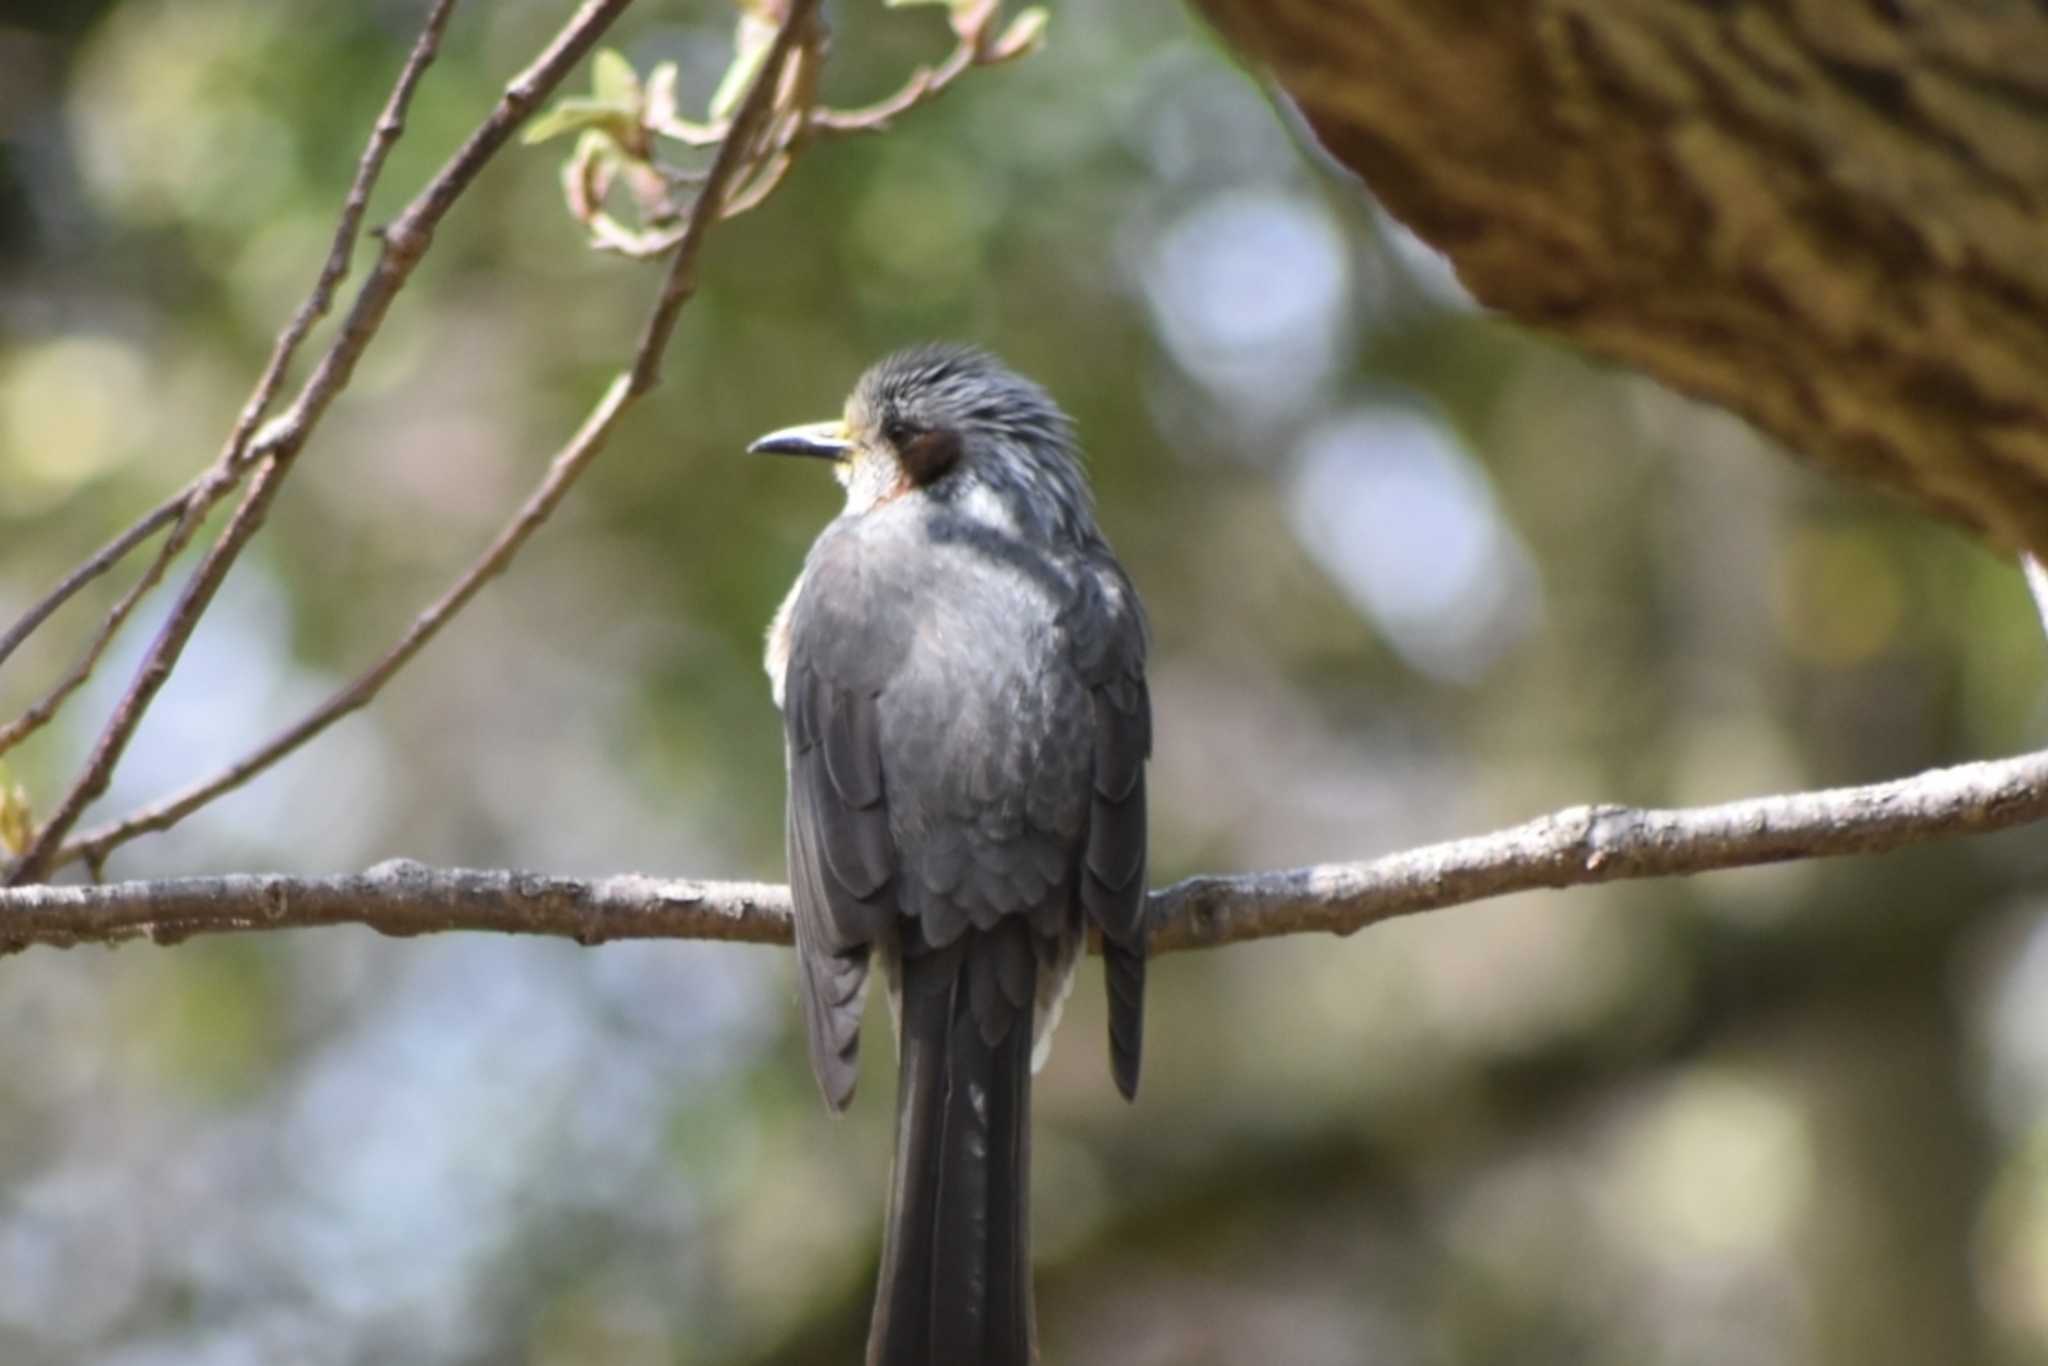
pixel 955 1286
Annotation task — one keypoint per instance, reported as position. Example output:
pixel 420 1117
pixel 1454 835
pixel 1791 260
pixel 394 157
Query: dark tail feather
pixel 955 1286
pixel 1123 969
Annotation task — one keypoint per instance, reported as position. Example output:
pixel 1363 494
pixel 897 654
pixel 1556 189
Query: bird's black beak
pixel 824 440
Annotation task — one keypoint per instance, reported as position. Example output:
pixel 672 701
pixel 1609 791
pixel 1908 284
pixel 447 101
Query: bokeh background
pixel 1412 573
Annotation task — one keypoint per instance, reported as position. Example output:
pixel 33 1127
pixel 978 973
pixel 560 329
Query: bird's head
pixel 954 425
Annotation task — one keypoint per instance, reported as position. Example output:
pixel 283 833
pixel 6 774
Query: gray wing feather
pixel 1109 636
pixel 832 981
pixel 841 864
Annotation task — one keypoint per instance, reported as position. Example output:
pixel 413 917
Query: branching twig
pixel 188 508
pixel 108 555
pixel 562 472
pixel 925 84
pixel 404 242
pixel 734 155
pixel 801 118
pixel 1582 845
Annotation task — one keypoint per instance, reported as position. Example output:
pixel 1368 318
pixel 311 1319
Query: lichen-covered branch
pixel 1575 847
pixel 1825 214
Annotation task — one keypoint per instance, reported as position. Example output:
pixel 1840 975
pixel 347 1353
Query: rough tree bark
pixel 1829 215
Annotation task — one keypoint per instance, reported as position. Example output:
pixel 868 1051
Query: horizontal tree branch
pixel 1573 847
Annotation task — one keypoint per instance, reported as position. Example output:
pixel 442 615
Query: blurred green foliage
pixel 1411 573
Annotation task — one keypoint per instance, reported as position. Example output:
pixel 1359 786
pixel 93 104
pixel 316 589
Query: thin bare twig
pixel 733 156
pixel 95 845
pixel 192 511
pixel 108 555
pixel 925 83
pixel 563 470
pixel 1578 846
pixel 188 508
pixel 405 241
pixel 384 136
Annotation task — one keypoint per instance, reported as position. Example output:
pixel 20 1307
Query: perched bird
pixel 961 673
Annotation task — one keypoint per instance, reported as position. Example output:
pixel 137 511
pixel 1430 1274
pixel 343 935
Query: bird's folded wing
pixel 842 862
pixel 1107 632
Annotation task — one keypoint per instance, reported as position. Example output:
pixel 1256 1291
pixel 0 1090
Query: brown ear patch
pixel 928 455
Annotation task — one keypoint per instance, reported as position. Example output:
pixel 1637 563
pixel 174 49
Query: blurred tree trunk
pixel 1829 215
pixel 1900 1175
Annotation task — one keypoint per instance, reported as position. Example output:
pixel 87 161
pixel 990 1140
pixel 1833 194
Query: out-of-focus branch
pixel 1574 847
pixel 108 555
pixel 978 43
pixel 271 452
pixel 189 506
pixel 736 155
pixel 187 510
pixel 640 376
pixel 95 845
pixel 2036 575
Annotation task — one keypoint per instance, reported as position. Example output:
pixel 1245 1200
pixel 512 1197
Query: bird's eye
pixel 899 432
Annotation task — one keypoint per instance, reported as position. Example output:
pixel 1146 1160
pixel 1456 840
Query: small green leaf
pixel 614 80
pixel 17 825
pixel 971 18
pixel 755 37
pixel 578 112
pixel 1026 34
pixel 660 116
pixel 588 176
pixel 661 94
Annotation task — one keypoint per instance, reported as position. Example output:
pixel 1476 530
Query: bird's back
pixel 986 731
